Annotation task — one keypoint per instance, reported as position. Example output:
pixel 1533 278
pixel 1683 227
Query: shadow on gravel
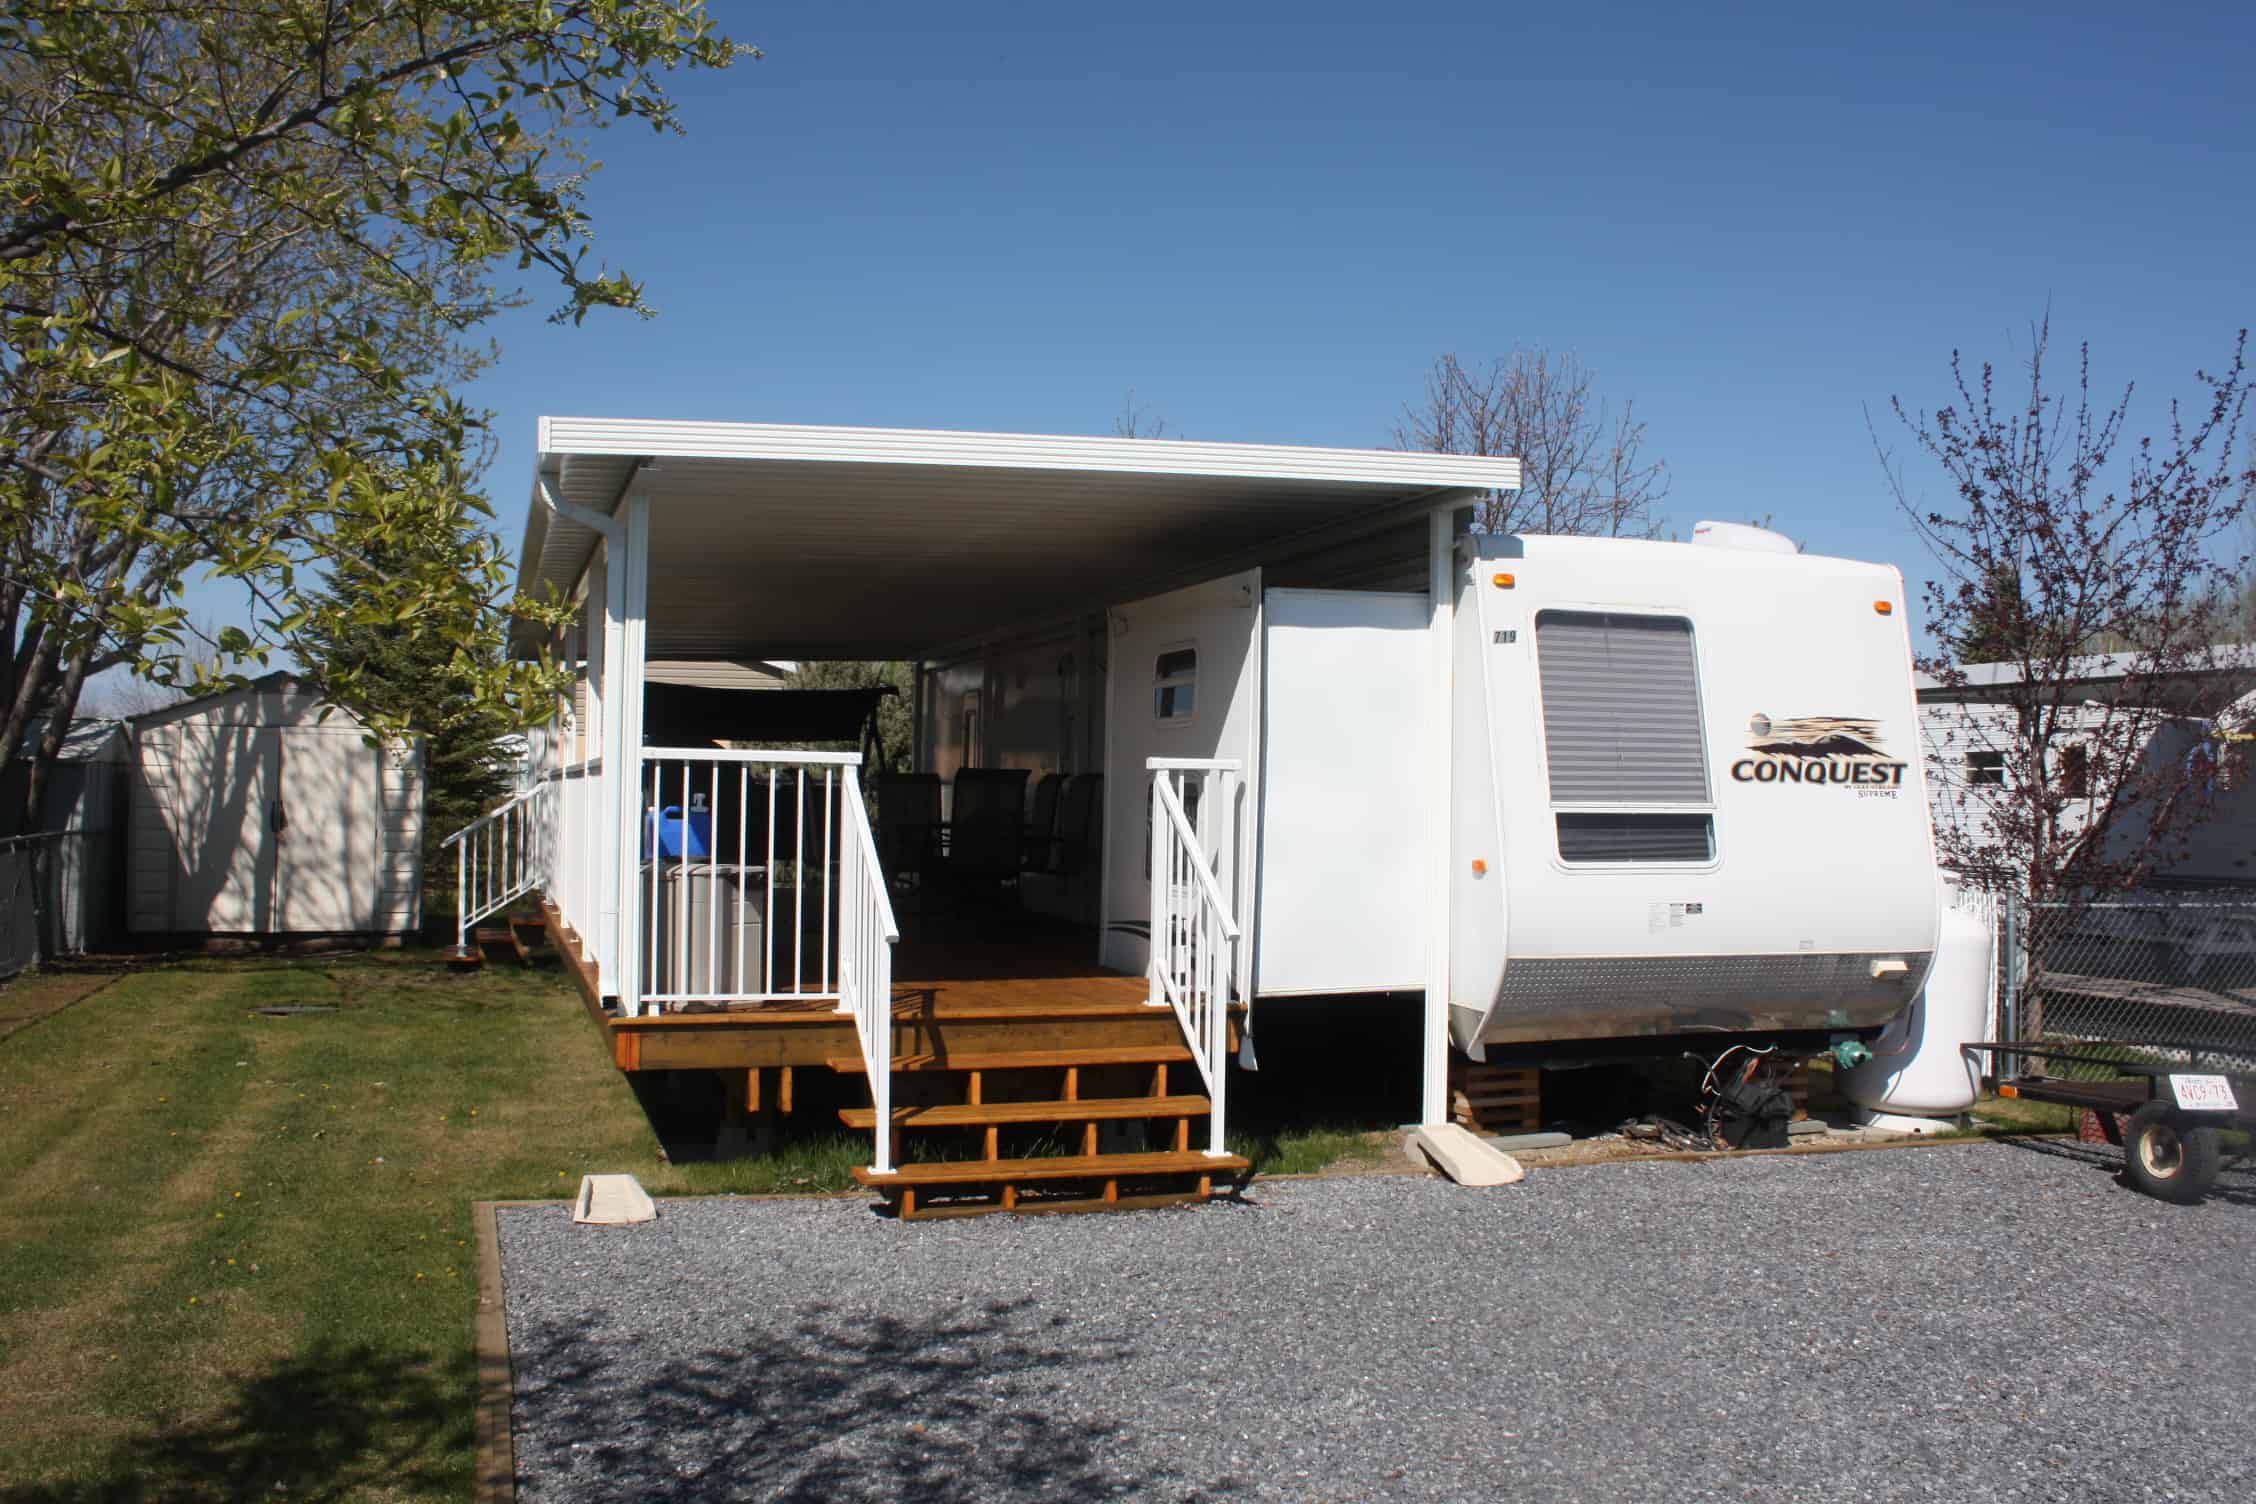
pixel 327 1424
pixel 2236 1184
pixel 836 1407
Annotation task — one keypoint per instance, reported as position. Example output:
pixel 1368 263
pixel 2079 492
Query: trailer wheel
pixel 2169 1156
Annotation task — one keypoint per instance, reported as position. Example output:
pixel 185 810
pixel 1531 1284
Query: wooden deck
pixel 949 999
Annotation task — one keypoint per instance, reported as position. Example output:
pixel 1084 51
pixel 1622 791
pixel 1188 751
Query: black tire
pixel 2170 1155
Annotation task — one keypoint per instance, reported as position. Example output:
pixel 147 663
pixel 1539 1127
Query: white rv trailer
pixel 1685 795
pixel 1576 797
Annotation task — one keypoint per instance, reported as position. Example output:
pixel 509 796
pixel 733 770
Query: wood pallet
pixel 1796 1080
pixel 979 1096
pixel 1495 1098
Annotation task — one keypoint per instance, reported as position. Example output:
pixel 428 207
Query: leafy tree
pixel 426 675
pixel 896 734
pixel 242 252
pixel 2065 538
pixel 1583 465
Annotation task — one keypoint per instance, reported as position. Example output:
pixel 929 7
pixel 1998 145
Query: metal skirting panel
pixel 1602 997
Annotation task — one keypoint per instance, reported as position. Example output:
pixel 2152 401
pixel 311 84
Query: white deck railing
pixel 500 857
pixel 1194 936
pixel 760 883
pixel 739 874
pixel 575 863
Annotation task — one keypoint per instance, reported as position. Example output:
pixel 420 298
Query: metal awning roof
pixel 861 543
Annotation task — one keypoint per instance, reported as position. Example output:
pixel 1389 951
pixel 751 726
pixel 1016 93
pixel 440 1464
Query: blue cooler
pixel 676 837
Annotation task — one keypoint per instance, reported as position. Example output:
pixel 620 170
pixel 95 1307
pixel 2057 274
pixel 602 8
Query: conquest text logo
pixel 1819 749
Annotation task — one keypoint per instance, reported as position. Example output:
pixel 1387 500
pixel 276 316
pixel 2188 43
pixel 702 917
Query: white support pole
pixel 1217 982
pixel 632 572
pixel 1441 644
pixel 609 805
pixel 1161 849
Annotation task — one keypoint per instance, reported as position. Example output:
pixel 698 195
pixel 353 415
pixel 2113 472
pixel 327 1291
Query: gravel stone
pixel 1997 1322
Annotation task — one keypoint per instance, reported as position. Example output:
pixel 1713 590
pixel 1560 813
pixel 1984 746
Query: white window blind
pixel 1621 709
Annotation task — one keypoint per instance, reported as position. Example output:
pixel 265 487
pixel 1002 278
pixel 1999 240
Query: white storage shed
pixel 255 814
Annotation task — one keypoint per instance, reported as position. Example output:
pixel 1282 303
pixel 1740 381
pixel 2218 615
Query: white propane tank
pixel 1920 1066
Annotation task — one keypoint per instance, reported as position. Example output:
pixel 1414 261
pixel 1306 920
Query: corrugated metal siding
pixel 398 895
pixel 151 847
pixel 1621 709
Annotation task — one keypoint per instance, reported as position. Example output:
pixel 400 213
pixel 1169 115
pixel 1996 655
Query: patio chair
pixel 986 824
pixel 908 824
pixel 1041 824
pixel 1080 819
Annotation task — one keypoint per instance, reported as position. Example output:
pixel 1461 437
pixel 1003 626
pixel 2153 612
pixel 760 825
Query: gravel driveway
pixel 1950 1323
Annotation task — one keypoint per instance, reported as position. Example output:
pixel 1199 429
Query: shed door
pixel 331 850
pixel 211 791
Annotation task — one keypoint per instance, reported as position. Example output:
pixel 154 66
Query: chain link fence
pixel 24 911
pixel 2168 978
pixel 56 896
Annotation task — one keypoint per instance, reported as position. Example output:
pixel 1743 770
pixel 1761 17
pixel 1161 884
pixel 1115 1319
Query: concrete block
pixel 1462 1157
pixel 1511 1141
pixel 613 1200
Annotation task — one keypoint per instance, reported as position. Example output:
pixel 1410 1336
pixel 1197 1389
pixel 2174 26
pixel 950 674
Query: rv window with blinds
pixel 1621 727
pixel 1175 684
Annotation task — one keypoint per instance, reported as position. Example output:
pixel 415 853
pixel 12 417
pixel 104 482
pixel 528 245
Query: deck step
pixel 980 1114
pixel 501 937
pixel 973 1172
pixel 1010 1060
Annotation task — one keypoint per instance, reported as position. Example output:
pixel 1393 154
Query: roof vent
pixel 1743 535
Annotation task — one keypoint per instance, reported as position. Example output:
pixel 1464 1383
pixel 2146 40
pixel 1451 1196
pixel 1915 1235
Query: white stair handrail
pixel 499 858
pixel 867 934
pixel 1194 935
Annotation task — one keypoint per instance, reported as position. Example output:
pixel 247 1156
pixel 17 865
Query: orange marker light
pixel 1503 581
pixel 1480 868
pixel 1885 608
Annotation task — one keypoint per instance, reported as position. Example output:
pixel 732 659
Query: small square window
pixel 1985 768
pixel 2074 768
pixel 1175 684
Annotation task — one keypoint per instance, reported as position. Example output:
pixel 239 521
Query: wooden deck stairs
pixel 1090 1128
pixel 513 938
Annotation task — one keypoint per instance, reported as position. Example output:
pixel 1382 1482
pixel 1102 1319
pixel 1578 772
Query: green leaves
pixel 242 252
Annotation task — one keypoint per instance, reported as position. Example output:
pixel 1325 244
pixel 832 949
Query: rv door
pixel 1183 673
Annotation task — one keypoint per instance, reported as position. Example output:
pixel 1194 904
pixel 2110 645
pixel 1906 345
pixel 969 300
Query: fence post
pixel 2009 968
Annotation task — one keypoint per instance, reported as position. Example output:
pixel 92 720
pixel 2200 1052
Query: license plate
pixel 2204 1093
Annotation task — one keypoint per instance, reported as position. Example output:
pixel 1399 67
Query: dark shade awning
pixel 683 715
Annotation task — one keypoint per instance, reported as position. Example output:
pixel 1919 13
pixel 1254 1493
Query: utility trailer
pixel 2168 1119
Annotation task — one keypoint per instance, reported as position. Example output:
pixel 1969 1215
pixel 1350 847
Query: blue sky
pixel 1268 220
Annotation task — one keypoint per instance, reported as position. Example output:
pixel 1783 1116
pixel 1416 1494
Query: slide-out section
pixel 1342 880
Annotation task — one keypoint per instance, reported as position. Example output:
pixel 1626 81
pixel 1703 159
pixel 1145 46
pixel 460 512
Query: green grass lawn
pixel 238 1251
pixel 237 1259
